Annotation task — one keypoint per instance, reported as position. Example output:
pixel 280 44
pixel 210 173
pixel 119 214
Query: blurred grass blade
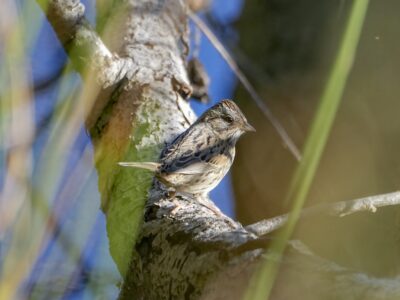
pixel 263 281
pixel 16 140
pixel 286 139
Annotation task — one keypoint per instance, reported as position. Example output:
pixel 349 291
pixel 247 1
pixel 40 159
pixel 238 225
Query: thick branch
pixel 81 42
pixel 338 209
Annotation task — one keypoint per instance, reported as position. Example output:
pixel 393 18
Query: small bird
pixel 197 160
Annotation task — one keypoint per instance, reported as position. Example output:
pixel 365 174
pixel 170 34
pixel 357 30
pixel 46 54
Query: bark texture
pixel 183 245
pixel 172 248
pixel 147 109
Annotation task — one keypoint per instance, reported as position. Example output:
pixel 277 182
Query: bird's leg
pixel 170 193
pixel 209 204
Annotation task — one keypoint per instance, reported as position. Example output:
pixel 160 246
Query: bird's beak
pixel 248 127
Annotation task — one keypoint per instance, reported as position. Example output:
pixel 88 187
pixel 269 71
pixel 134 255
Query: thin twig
pixel 337 209
pixel 248 86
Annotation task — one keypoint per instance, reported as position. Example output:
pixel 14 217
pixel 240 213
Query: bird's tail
pixel 152 166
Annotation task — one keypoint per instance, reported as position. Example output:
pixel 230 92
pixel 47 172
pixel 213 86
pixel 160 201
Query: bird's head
pixel 226 119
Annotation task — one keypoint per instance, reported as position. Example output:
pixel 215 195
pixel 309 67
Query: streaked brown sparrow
pixel 197 160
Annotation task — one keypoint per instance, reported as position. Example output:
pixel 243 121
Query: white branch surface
pixel 338 209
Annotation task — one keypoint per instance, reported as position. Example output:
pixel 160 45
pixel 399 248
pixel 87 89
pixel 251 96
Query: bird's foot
pixel 170 193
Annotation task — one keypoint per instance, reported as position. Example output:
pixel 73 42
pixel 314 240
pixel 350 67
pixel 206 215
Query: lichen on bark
pixel 136 125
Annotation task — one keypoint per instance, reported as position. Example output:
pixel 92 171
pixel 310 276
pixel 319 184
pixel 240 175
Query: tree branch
pixel 131 119
pixel 81 42
pixel 337 209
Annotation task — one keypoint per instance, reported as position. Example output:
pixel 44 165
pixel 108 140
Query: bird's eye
pixel 228 119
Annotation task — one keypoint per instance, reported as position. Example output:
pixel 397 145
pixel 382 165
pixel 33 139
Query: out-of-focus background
pixel 286 49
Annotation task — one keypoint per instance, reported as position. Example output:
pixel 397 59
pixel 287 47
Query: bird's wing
pixel 219 160
pixel 185 145
pixel 197 165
